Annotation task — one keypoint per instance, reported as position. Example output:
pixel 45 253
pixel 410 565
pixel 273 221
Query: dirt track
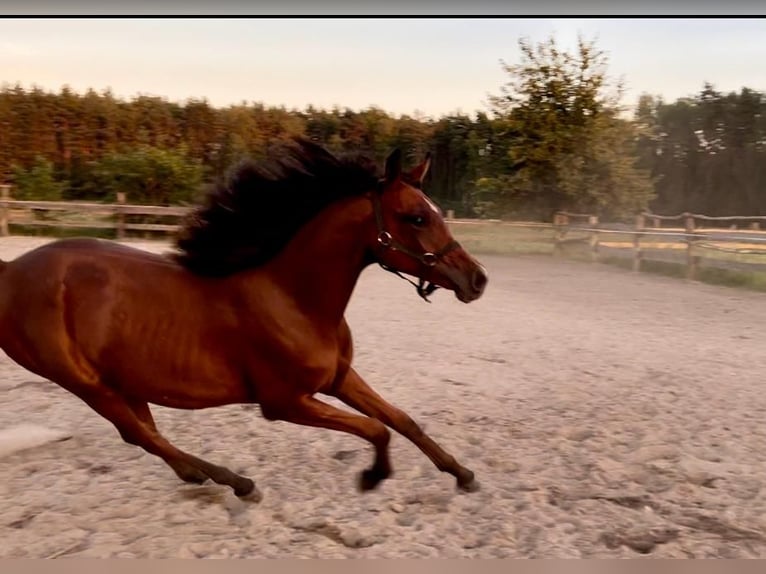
pixel 605 415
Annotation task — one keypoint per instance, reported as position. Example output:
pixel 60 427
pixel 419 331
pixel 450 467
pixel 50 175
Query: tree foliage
pixel 37 182
pixel 556 137
pixel 147 175
pixel 707 152
pixel 568 147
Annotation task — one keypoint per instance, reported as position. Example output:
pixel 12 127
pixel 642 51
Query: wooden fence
pixel 98 215
pixel 698 236
pixel 689 239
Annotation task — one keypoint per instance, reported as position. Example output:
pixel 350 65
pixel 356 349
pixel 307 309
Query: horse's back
pixel 53 296
pixel 88 247
pixel 39 281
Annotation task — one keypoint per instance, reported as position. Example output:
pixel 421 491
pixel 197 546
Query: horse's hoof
pixel 248 491
pixel 255 495
pixel 369 479
pixel 472 486
pixel 466 482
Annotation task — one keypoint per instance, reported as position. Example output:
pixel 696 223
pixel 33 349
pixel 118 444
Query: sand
pixel 605 413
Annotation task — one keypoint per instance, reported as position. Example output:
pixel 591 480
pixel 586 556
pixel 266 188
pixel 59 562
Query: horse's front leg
pixel 356 393
pixel 309 411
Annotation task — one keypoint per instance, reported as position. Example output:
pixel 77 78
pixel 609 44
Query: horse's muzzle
pixel 472 286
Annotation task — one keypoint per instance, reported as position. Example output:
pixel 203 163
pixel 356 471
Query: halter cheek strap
pixel 427 259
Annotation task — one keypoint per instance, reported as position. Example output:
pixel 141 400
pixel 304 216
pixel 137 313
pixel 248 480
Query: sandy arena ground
pixel 605 414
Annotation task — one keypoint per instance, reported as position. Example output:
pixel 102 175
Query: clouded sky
pixel 435 66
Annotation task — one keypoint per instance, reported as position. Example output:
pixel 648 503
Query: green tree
pixel 567 146
pixel 148 175
pixel 706 152
pixel 454 168
pixel 37 182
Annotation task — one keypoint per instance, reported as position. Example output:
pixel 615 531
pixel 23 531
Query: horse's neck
pixel 320 266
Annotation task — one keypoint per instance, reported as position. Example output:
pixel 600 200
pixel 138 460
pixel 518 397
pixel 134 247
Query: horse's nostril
pixel 479 280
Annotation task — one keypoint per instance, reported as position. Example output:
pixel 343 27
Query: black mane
pixel 255 211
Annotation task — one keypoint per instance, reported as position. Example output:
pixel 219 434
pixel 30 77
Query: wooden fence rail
pixel 112 215
pixel 694 237
pixel 698 235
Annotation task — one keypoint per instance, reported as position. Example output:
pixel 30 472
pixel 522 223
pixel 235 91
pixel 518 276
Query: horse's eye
pixel 416 220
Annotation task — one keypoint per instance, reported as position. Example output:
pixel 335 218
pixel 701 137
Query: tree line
pixel 556 136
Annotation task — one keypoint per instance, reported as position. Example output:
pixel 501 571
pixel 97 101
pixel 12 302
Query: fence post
pixel 692 261
pixel 637 254
pixel 5 194
pixel 593 222
pixel 755 226
pixel 120 215
pixel 450 214
pixel 560 222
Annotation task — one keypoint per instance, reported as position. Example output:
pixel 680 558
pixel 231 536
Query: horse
pixel 247 308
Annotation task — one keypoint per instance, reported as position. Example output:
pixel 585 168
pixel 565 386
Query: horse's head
pixel 412 237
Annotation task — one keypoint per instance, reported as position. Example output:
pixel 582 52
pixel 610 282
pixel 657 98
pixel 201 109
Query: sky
pixel 426 66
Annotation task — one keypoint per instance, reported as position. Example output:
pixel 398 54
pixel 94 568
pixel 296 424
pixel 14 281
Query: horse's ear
pixel 418 173
pixel 394 166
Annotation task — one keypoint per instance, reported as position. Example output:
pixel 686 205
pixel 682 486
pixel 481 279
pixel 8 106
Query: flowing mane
pixel 250 215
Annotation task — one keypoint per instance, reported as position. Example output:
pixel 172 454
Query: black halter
pixel 427 259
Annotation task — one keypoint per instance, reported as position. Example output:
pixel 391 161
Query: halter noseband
pixel 427 259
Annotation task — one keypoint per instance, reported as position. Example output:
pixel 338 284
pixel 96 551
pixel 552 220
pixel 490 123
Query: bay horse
pixel 249 307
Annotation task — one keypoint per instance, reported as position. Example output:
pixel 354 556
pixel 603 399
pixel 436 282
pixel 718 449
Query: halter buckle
pixel 429 259
pixel 385 239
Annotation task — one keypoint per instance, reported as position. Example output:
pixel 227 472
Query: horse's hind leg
pixel 183 469
pixel 136 426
